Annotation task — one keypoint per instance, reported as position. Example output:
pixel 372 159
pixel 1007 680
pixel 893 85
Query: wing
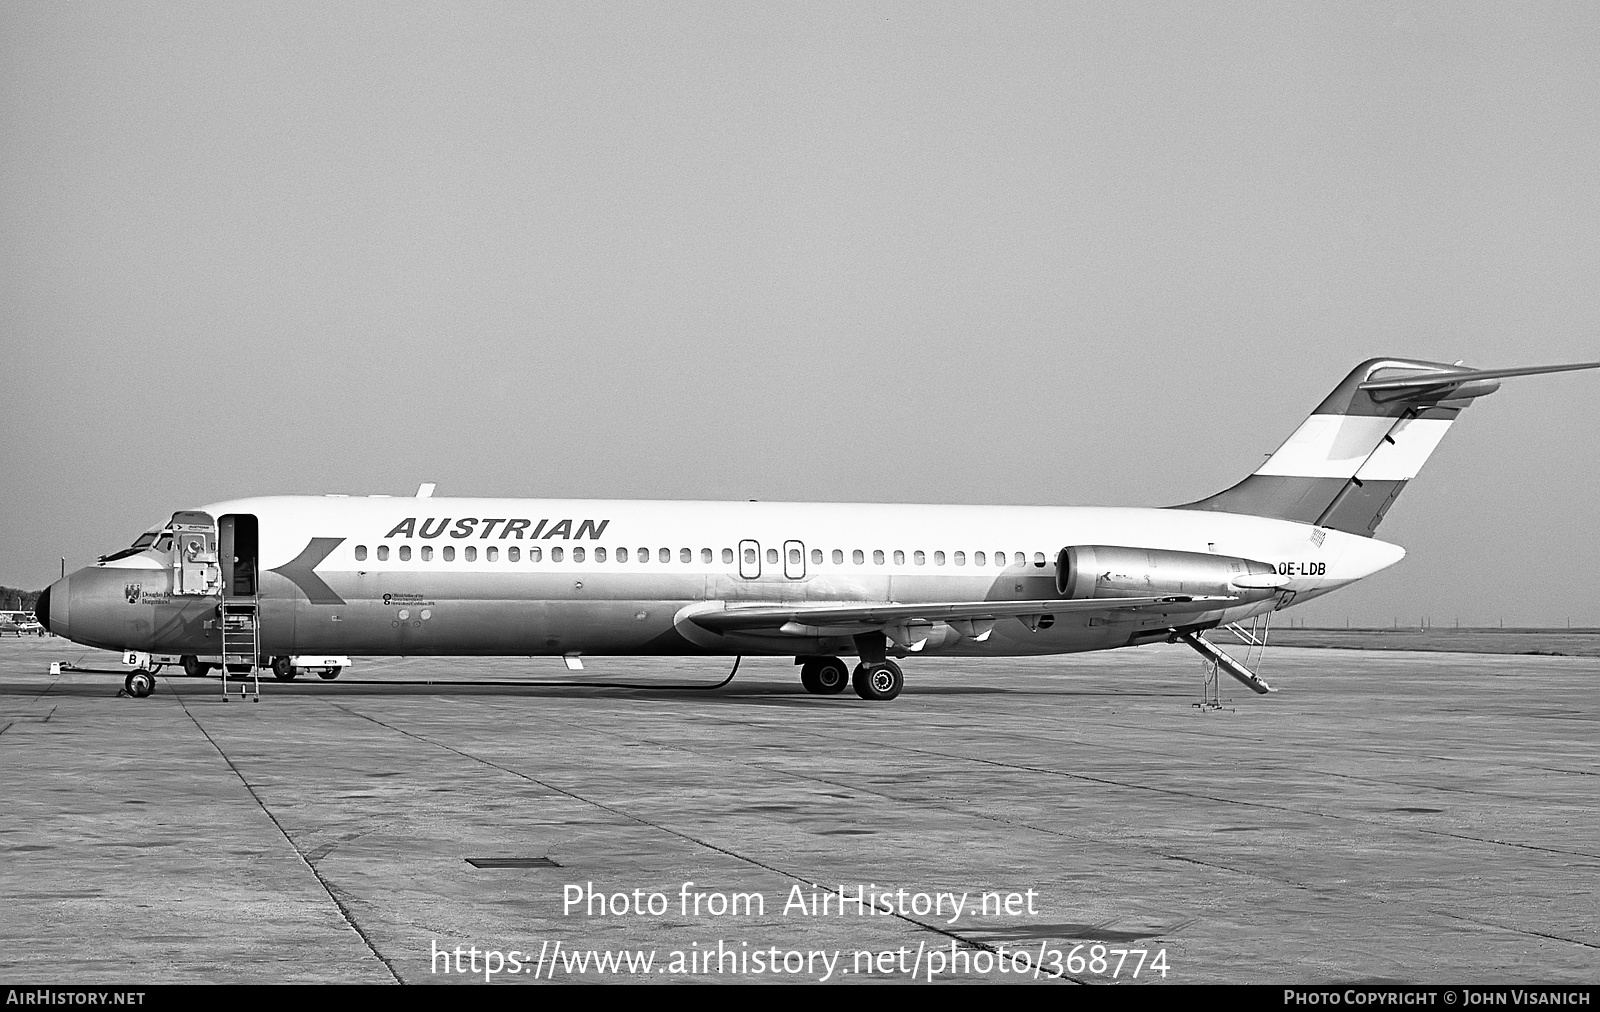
pixel 977 617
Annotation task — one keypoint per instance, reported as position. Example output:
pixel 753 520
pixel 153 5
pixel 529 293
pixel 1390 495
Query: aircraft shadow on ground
pixel 198 690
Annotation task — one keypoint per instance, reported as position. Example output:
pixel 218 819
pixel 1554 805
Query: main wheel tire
pixel 808 677
pixel 878 682
pixel 282 670
pixel 193 667
pixel 140 684
pixel 832 675
pixel 330 674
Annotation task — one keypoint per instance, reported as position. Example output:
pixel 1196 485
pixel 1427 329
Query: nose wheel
pixel 139 684
pixel 880 681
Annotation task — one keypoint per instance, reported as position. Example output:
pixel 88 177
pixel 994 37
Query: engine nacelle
pixel 1093 571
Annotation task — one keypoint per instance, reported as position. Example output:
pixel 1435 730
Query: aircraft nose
pixel 51 608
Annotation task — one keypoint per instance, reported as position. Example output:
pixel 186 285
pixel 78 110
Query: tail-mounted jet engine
pixel 1096 571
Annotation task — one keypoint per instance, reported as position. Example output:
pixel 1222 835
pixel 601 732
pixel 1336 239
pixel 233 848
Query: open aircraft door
pixel 195 568
pixel 239 542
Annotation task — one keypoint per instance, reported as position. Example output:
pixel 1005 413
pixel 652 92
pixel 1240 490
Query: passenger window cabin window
pixel 1038 558
pixel 978 559
pixel 492 553
pixel 644 555
pixel 707 556
pixel 449 553
pixel 513 554
pixel 772 556
pixel 622 555
pixel 686 555
pixel 534 554
pixel 838 556
pixel 858 556
pixel 577 555
pixel 427 553
pixel 816 556
pixel 960 558
pixel 470 553
pixel 877 557
pixel 665 555
pixel 899 558
pixel 727 556
pixel 556 553
pixel 599 555
pixel 919 557
pixel 383 553
pixel 361 553
pixel 938 558
pixel 405 553
pixel 794 556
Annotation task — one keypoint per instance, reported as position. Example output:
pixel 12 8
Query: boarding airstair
pixel 1253 638
pixel 241 642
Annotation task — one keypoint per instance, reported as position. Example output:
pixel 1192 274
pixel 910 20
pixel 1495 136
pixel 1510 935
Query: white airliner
pixel 304 582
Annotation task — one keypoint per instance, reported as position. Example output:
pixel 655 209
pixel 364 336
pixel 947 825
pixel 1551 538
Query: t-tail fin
pixel 1346 464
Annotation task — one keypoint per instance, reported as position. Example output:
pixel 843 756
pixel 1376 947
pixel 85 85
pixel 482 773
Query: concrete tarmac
pixel 1399 817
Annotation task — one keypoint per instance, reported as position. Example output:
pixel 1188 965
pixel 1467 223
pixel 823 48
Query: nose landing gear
pixel 139 684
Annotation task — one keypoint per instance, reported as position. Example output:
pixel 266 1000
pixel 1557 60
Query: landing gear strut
pixel 882 680
pixel 824 676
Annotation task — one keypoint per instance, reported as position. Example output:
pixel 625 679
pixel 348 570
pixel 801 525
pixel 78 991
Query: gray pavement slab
pixel 1385 817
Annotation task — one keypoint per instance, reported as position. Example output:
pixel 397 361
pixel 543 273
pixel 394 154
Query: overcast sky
pixel 1046 254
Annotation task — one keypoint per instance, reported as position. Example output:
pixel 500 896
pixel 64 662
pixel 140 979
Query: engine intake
pixel 1095 571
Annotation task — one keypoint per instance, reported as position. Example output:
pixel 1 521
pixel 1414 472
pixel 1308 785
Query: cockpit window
pixel 158 538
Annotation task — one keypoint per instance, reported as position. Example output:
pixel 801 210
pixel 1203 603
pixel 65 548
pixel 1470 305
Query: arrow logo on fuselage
pixel 301 571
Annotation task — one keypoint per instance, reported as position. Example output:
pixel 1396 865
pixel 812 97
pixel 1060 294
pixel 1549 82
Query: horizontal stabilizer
pixel 1455 377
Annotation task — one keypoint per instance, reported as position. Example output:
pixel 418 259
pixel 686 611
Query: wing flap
pixel 724 617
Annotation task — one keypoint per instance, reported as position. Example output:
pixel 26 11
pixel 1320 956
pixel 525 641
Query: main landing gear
pixel 827 676
pixel 824 676
pixel 883 680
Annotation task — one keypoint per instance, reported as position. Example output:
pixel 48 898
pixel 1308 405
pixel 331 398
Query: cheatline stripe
pixel 1337 446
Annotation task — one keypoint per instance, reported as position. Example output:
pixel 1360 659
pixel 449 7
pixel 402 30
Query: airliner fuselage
pixel 382 575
